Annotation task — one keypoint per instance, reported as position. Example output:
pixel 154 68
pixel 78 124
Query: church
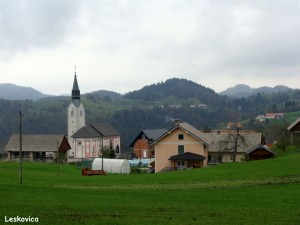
pixel 88 141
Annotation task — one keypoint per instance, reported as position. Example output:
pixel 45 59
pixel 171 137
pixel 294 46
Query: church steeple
pixel 75 90
pixel 76 116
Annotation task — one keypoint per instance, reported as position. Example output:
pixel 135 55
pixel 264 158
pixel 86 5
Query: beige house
pixel 185 147
pixel 222 143
pixel 182 147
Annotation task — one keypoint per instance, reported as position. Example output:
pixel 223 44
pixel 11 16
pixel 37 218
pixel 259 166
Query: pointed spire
pixel 75 90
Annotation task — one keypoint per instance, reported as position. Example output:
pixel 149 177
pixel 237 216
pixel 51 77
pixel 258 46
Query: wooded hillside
pixel 154 106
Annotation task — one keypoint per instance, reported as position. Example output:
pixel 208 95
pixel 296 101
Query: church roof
pixel 75 83
pixel 75 89
pixel 76 92
pixel 94 131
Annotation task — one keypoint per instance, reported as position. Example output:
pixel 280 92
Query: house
pixel 294 130
pixel 37 147
pixel 231 125
pixel 279 116
pixel 221 145
pixel 202 106
pixel 141 144
pixel 274 116
pixel 259 152
pixel 261 118
pixel 181 147
pixel 90 140
pixel 270 116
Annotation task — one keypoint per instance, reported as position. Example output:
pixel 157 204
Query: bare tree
pixel 232 142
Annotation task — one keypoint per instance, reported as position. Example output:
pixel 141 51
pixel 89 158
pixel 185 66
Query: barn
pixel 259 152
pixel 38 147
pixel 112 165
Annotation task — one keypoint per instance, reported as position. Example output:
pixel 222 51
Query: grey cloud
pixel 29 23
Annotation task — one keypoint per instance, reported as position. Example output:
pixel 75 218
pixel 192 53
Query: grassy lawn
pixel 261 192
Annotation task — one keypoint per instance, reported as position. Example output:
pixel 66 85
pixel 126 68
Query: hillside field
pixel 247 193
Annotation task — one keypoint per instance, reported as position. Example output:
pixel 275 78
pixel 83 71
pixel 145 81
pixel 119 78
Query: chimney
pixel 177 122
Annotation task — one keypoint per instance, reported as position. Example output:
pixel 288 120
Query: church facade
pixel 88 141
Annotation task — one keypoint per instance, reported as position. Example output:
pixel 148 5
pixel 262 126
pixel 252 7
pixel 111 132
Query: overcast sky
pixel 123 45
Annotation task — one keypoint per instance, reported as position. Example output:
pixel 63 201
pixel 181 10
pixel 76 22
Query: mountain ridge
pixel 153 106
pixel 11 91
pixel 244 90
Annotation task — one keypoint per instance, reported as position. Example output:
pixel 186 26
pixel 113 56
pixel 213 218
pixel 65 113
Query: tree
pixel 109 152
pixel 283 141
pixel 232 143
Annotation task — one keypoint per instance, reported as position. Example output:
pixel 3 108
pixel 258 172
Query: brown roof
pixel 214 140
pixel 259 147
pixel 293 124
pixel 38 143
pixel 190 130
pixel 250 139
pixel 150 134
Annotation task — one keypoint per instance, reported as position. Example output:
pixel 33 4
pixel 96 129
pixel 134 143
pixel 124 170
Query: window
pixel 72 112
pixel 180 137
pixel 117 149
pixel 180 163
pixel 180 149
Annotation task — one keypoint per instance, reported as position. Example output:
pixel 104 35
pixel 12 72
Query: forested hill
pixel 181 89
pixel 150 107
pixel 15 92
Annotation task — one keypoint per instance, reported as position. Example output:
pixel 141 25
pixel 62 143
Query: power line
pixel 40 126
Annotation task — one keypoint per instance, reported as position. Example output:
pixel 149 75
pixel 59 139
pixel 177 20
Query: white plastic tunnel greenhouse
pixel 112 165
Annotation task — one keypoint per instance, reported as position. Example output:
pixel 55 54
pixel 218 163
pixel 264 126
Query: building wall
pixel 141 149
pixel 168 146
pixel 224 157
pixel 76 120
pixel 85 148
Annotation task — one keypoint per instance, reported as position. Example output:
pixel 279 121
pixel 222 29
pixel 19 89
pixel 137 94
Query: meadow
pixel 258 192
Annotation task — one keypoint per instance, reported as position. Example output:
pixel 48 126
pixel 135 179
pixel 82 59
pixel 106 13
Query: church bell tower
pixel 76 116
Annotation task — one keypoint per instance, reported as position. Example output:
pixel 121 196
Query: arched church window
pixel 72 112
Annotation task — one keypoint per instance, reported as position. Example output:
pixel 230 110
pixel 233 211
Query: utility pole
pixel 57 158
pixel 20 152
pixel 102 153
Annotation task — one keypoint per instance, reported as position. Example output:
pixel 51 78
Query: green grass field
pixel 261 192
